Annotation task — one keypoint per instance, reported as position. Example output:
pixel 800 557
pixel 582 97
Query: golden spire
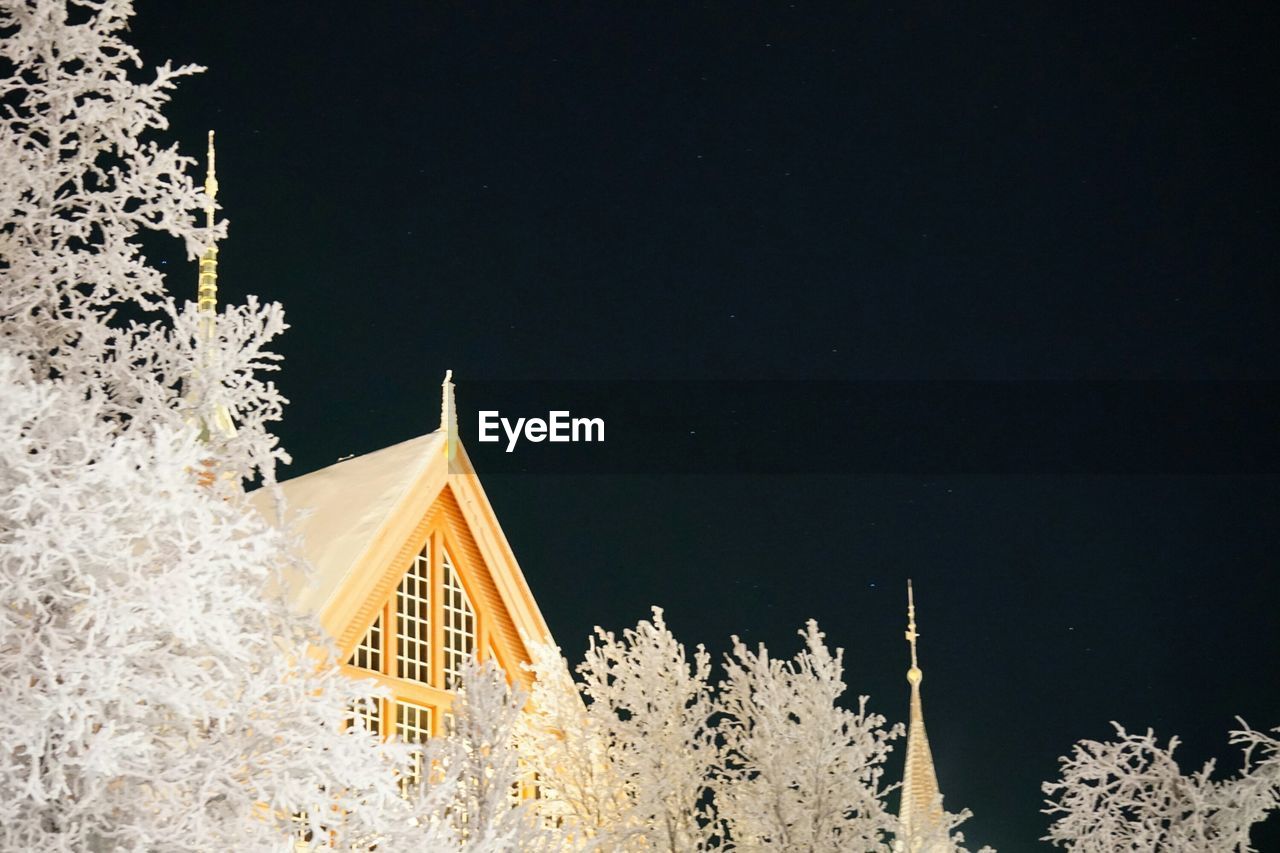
pixel 207 289
pixel 219 419
pixel 448 415
pixel 920 811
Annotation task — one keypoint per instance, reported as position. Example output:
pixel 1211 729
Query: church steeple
pixel 215 420
pixel 207 288
pixel 920 812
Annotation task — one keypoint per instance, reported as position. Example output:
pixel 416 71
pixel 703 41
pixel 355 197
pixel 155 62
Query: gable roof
pixel 355 515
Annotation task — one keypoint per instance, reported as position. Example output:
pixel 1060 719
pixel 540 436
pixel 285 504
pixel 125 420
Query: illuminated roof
pixel 340 510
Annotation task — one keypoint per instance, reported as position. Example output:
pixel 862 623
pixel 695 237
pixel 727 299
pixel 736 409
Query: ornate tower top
pixel 920 812
pixel 216 419
pixel 207 289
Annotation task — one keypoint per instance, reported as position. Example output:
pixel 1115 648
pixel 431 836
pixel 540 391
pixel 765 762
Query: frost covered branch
pixel 1130 794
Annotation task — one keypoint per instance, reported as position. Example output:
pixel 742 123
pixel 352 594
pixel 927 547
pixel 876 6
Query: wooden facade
pixel 413 575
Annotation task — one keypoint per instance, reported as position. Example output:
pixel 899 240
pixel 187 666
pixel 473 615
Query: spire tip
pixel 914 675
pixel 211 179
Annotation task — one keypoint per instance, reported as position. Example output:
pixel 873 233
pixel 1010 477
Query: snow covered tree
pixel 1129 794
pixel 798 772
pixel 78 181
pixel 159 691
pixel 643 755
pixel 629 770
pixel 581 791
pixel 465 789
pixel 480 764
pixel 80 178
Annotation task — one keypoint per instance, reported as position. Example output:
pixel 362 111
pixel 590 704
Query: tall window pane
pixel 413 620
pixel 459 625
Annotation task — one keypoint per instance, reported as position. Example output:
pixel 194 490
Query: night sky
pixel 733 225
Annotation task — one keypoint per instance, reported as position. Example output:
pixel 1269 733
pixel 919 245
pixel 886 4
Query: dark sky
pixel 824 199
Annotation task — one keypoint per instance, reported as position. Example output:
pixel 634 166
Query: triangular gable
pixel 444 539
pixel 373 515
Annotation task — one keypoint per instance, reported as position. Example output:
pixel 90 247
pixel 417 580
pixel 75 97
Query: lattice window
pixel 369 713
pixel 413 725
pixel 368 652
pixel 459 625
pixel 413 620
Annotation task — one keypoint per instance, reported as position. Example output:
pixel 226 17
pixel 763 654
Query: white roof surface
pixel 338 510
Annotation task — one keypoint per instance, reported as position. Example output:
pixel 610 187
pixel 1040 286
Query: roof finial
pixel 914 675
pixel 207 288
pixel 448 415
pixel 211 182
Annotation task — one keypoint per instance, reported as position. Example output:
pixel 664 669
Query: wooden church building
pixel 412 573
